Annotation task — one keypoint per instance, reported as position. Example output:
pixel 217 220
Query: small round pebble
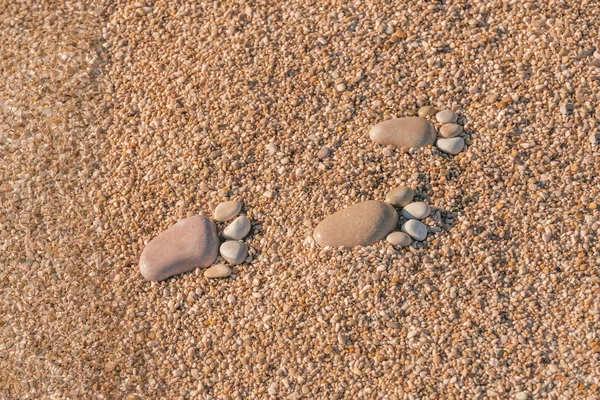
pixel 238 228
pixel 227 210
pixel 323 153
pixel 416 210
pixel 521 396
pixel 234 252
pixel 426 111
pixel 415 229
pixel 400 196
pixel 400 239
pixel 218 271
pixel 451 130
pixel 451 146
pixel 446 117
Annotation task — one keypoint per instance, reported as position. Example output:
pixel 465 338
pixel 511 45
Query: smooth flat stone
pixel 190 243
pixel 237 229
pixel 415 229
pixel 234 252
pixel 400 196
pixel 446 117
pixel 218 271
pixel 227 210
pixel 400 239
pixel 359 225
pixel 416 210
pixel 411 132
pixel 451 130
pixel 451 146
pixel 426 111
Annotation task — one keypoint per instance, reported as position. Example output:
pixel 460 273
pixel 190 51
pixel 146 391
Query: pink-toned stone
pixel 359 225
pixel 190 243
pixel 410 132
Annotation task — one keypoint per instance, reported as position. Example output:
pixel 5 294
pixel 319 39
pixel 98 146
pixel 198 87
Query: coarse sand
pixel 119 118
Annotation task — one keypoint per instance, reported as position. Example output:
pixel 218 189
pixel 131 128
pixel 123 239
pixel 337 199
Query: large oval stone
pixel 404 132
pixel 359 225
pixel 190 243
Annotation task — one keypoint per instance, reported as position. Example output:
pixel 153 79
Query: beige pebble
pixel 427 111
pixel 451 130
pixel 227 210
pixel 217 271
pixel 400 239
pixel 400 196
pixel 446 117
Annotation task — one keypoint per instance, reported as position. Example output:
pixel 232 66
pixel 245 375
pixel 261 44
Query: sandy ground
pixel 118 119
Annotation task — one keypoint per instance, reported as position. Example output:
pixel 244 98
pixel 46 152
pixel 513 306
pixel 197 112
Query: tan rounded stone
pixel 399 239
pixel 451 130
pixel 410 132
pixel 426 111
pixel 400 196
pixel 359 225
pixel 218 271
pixel 190 243
pixel 227 210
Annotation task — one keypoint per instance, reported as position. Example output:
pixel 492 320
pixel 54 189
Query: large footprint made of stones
pixel 415 132
pixel 194 243
pixel 366 223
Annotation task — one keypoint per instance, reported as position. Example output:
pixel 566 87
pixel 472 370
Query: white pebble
pixel 416 210
pixel 415 229
pixel 234 252
pixel 227 210
pixel 237 229
pixel 446 117
pixel 451 146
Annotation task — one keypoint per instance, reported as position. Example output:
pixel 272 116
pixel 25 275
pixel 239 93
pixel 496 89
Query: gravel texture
pixel 118 119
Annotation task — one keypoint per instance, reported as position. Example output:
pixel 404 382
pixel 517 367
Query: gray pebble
pixel 417 210
pixel 451 146
pixel 451 130
pixel 234 252
pixel 446 117
pixel 415 229
pixel 237 229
